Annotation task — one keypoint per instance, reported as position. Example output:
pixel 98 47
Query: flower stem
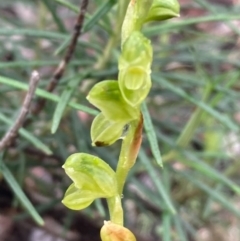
pixel 129 151
pixel 115 209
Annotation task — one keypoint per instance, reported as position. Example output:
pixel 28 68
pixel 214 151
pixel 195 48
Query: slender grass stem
pixel 113 40
pixel 189 129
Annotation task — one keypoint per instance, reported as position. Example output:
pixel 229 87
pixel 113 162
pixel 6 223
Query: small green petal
pixel 134 17
pixel 107 97
pixel 77 199
pixel 137 75
pixel 137 50
pixel 134 69
pixel 105 132
pixel 134 96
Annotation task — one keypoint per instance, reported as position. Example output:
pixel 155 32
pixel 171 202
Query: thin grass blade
pixel 152 138
pixel 224 119
pixel 179 228
pixel 102 10
pixel 28 136
pixel 157 181
pixel 55 16
pixel 169 26
pixel 49 96
pixel 68 5
pixel 20 194
pixel 64 99
pixel 215 195
pixel 166 233
pixel 207 170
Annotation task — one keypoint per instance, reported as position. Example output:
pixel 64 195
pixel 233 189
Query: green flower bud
pixel 105 132
pixel 114 232
pixel 91 174
pixel 137 50
pixel 162 10
pixel 135 85
pixel 107 97
pixel 134 17
pixel 134 69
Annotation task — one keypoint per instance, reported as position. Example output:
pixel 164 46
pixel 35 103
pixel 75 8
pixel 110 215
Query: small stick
pixel 58 73
pixel 12 132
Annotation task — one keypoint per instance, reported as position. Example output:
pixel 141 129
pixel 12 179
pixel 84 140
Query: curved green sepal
pixel 134 17
pixel 114 232
pixel 137 50
pixel 162 10
pixel 77 199
pixel 134 69
pixel 107 97
pixel 90 173
pixel 105 132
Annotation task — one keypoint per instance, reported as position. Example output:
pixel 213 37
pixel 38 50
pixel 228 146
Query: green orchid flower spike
pixel 92 178
pixel 120 118
pixel 162 10
pixel 134 69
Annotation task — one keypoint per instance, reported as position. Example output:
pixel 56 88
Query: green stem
pixel 115 209
pixel 129 151
pixel 190 127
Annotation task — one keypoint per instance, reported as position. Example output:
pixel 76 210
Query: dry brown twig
pixel 12 132
pixel 58 73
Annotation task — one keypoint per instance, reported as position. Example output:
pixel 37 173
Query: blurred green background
pixel 194 105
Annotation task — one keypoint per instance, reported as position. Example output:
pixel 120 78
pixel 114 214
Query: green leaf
pixel 20 194
pixel 152 138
